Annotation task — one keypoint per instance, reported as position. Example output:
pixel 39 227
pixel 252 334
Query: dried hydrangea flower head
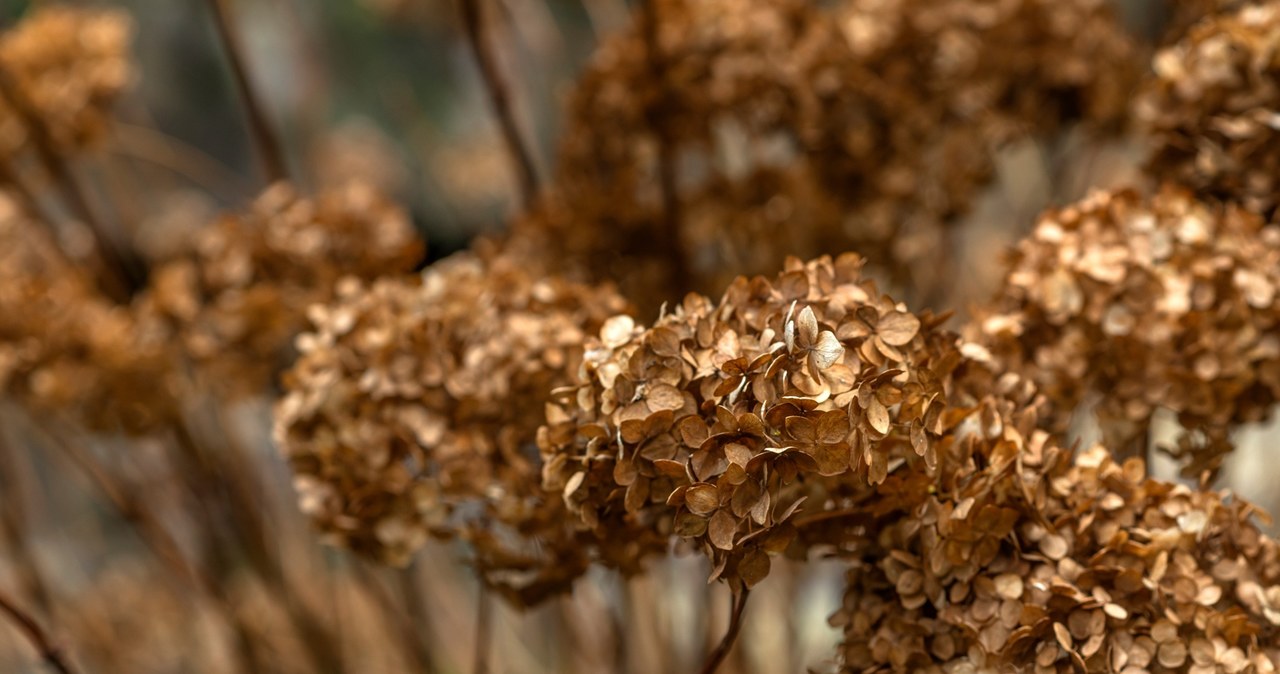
pixel 797 129
pixel 741 424
pixel 1211 109
pixel 1166 302
pixel 70 64
pixel 1059 566
pixel 414 407
pixel 66 347
pixel 240 295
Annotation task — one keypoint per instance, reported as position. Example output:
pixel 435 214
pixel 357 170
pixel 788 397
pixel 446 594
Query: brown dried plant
pixel 239 295
pixel 1145 303
pixel 702 148
pixel 739 424
pixel 68 64
pixel 1211 108
pixel 64 346
pixel 413 411
pixel 507 399
pixel 1047 564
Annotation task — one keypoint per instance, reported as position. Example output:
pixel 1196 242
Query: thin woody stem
pixel 500 100
pixel 658 114
pixel 269 148
pixel 49 651
pixel 738 608
pixel 484 631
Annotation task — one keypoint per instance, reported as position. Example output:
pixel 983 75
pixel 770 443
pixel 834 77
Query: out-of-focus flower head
pixel 70 64
pixel 65 346
pixel 795 129
pixel 239 296
pixel 1211 109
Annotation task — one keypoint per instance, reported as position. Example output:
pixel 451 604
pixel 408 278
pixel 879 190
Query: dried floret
pixel 413 412
pixel 240 296
pixel 70 64
pixel 786 406
pixel 796 129
pixel 1211 109
pixel 1165 302
pixel 1061 566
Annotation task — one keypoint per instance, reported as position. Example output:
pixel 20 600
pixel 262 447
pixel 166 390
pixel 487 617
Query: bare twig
pixel 484 631
pixel 668 184
pixel 736 611
pixel 500 100
pixel 48 650
pixel 265 139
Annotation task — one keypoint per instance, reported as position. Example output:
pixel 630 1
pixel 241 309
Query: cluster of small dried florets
pixel 1052 565
pixel 783 410
pixel 66 347
pixel 870 124
pixel 414 407
pixel 1212 109
pixel 240 295
pixel 1164 302
pixel 68 65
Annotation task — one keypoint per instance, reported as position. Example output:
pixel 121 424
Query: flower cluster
pixel 790 404
pixel 794 129
pixel 1164 302
pixel 69 65
pixel 239 296
pixel 65 346
pixel 1058 566
pixel 1211 109
pixel 414 407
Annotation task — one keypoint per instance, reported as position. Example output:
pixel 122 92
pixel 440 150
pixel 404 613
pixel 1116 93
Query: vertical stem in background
pixel 267 143
pixel 736 611
pixel 49 651
pixel 484 631
pixel 500 100
pixel 658 113
pixel 122 273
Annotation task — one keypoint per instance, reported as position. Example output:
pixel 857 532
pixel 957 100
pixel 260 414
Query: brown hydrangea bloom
pixel 240 295
pixel 413 411
pixel 70 64
pixel 1146 303
pixel 788 405
pixel 1211 109
pixel 1053 566
pixel 796 129
pixel 66 347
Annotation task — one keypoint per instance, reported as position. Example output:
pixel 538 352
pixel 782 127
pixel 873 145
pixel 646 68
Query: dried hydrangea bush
pixel 66 347
pixel 794 129
pixel 413 411
pixel 783 410
pixel 1061 565
pixel 1145 303
pixel 69 64
pixel 239 295
pixel 1211 109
